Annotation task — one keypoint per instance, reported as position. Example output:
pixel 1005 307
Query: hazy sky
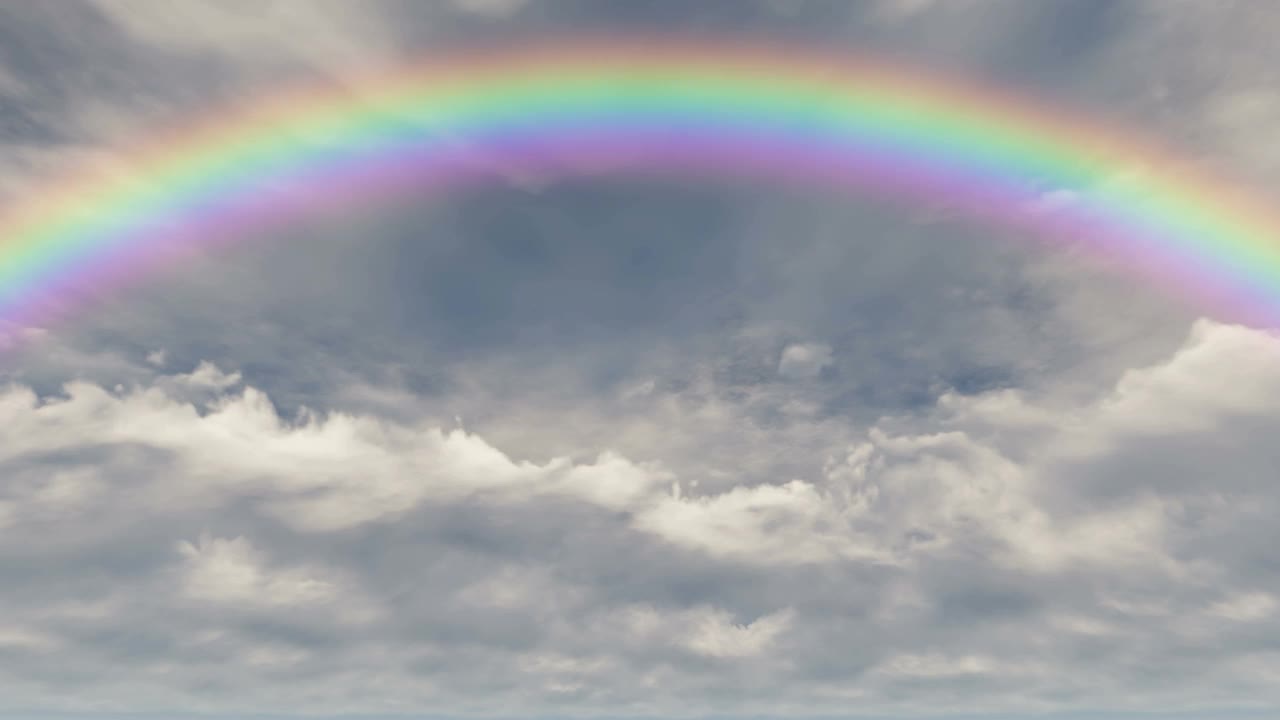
pixel 615 448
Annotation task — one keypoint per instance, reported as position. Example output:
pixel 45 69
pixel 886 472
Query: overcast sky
pixel 614 448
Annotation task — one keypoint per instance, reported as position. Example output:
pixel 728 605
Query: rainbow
pixel 683 110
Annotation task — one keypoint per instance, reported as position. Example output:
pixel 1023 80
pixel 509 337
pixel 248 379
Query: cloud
pixel 326 473
pixel 1001 536
pixel 804 360
pixel 333 36
pixel 1246 607
pixel 490 8
pixel 753 524
pixel 232 571
pixel 717 636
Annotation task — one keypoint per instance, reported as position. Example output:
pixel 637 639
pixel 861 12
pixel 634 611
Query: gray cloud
pixel 991 547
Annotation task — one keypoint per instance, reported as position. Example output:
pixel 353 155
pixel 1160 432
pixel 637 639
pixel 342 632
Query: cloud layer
pixel 174 539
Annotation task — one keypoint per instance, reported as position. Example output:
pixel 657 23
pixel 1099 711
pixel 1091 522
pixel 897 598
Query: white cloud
pixel 208 376
pixel 318 473
pixel 233 571
pixel 804 360
pixel 716 635
pixel 790 523
pixel 1190 393
pixel 586 573
pixel 703 631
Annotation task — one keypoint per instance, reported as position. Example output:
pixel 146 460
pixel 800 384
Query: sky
pixel 617 448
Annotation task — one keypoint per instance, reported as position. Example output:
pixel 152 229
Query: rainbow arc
pixel 696 111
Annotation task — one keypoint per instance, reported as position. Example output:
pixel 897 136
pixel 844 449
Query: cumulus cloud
pixel 1004 536
pixel 326 472
pixel 231 571
pixel 804 360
